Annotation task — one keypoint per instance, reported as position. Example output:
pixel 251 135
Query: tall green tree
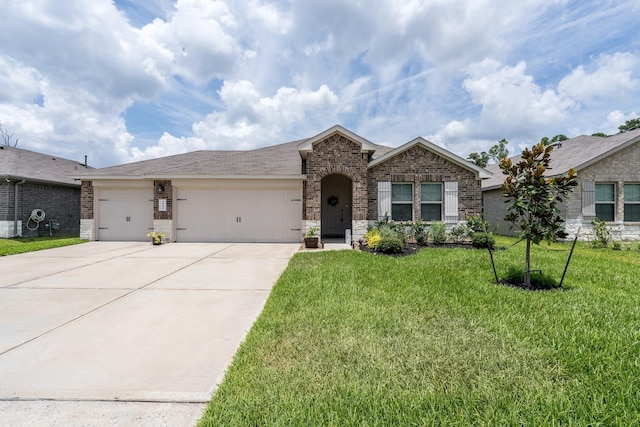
pixel 499 151
pixel 496 153
pixel 557 138
pixel 629 125
pixel 479 159
pixel 533 198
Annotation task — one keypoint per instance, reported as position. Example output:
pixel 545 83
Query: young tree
pixel 533 198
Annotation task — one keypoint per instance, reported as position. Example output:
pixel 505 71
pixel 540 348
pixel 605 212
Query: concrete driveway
pixel 107 321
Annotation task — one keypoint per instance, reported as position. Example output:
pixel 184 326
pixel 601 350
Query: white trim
pixel 430 146
pixel 451 202
pixel 384 199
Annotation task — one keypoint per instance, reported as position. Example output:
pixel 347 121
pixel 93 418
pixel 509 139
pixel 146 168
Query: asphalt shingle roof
pixel 577 153
pixel 277 160
pixel 17 163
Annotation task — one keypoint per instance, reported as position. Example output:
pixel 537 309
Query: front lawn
pixel 29 244
pixel 350 338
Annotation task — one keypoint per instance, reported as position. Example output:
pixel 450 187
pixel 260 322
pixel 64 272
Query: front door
pixel 336 205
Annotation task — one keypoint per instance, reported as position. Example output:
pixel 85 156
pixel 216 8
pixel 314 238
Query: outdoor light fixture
pixel 160 189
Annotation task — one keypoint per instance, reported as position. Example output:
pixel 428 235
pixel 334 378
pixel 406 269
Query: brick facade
pixel 336 154
pixel 59 203
pixel 167 194
pixel 417 165
pixel 86 200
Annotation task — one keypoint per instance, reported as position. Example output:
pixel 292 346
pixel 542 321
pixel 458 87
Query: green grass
pixel 29 244
pixel 350 338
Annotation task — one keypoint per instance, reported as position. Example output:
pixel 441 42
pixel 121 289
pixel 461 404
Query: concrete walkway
pixel 110 322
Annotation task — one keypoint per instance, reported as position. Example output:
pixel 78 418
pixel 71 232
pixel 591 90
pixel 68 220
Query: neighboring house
pixel 34 181
pixel 336 180
pixel 608 172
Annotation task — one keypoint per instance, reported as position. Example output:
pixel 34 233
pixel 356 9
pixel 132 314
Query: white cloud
pixel 609 77
pixel 198 36
pixel 247 120
pixel 511 99
pixel 270 16
pixel 241 74
pixel 21 83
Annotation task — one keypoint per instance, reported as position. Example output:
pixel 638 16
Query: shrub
pixel 372 238
pixel 419 232
pixel 483 240
pixel 602 233
pixel 387 226
pixel 438 233
pixel 477 223
pixel 393 229
pixel 617 246
pixel 459 233
pixel 390 245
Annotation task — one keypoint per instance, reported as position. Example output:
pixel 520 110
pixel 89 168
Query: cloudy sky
pixel 128 80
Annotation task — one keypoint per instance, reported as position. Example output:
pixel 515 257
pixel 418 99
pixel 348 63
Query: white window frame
pixel 632 202
pixel 429 202
pixel 402 202
pixel 606 202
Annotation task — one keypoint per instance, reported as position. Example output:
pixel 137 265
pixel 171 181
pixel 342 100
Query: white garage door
pixel 125 214
pixel 238 215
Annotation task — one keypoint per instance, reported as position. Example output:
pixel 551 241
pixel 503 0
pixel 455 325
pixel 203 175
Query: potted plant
pixel 156 237
pixel 311 238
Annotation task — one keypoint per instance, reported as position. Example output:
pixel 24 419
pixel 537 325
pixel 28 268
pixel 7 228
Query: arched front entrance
pixel 336 205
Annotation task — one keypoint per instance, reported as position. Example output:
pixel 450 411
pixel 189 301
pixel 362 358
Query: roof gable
pixel 365 145
pixel 430 146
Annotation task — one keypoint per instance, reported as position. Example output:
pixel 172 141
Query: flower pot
pixel 311 242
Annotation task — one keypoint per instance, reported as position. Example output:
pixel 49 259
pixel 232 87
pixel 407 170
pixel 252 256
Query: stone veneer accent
pixel 86 229
pixel 165 226
pixel 417 165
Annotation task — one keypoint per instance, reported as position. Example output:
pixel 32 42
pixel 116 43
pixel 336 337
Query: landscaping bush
pixel 602 234
pixel 477 223
pixel 419 232
pixel 438 233
pixel 390 245
pixel 460 233
pixel 483 240
pixel 372 238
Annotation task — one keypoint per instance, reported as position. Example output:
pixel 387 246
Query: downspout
pixel 15 207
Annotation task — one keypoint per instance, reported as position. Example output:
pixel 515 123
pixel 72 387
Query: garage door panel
pixel 239 215
pixel 125 214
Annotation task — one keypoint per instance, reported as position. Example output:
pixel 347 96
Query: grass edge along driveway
pixel 29 244
pixel 350 338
